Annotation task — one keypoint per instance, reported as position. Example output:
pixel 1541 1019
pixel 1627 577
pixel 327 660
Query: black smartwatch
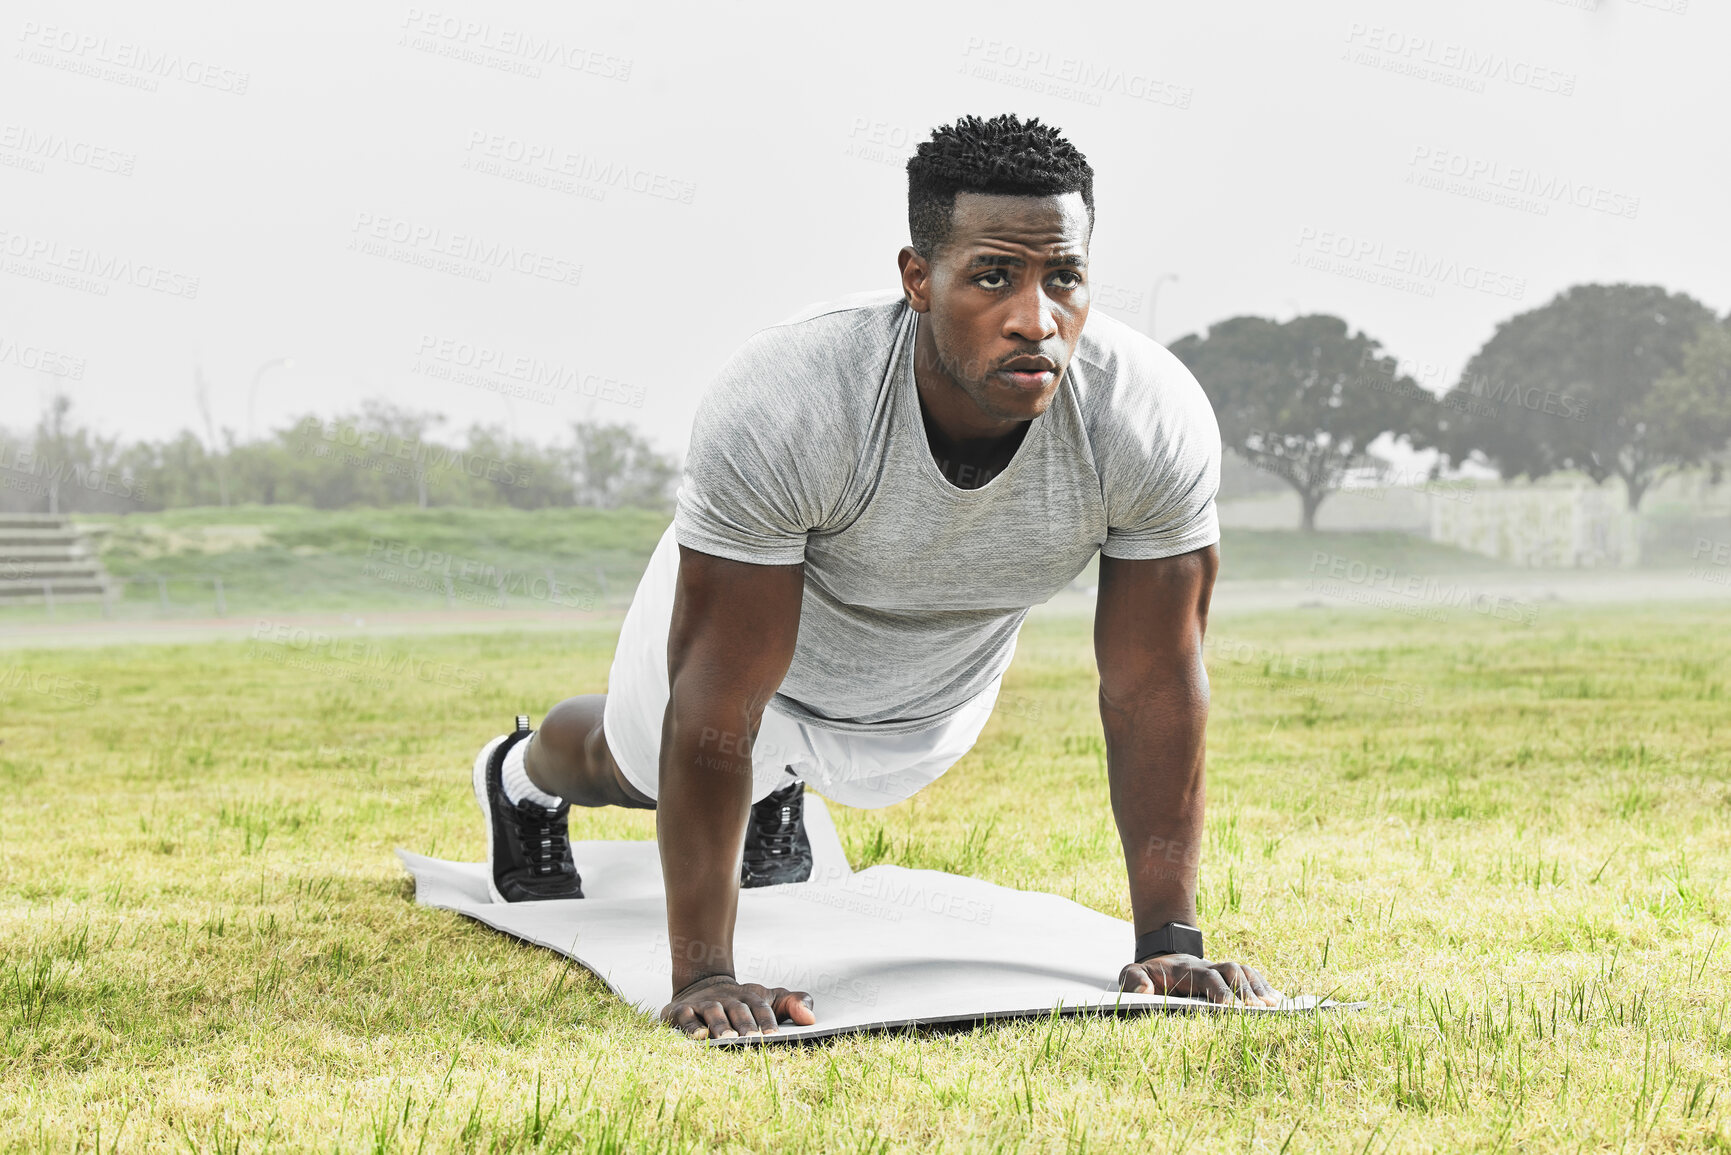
pixel 1173 938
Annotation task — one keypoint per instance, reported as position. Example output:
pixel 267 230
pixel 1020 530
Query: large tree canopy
pixel 1303 399
pixel 1596 381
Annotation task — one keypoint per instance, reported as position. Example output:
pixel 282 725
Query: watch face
pixel 1173 938
pixel 1184 938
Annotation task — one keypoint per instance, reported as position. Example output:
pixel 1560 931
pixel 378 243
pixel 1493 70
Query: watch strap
pixel 1173 938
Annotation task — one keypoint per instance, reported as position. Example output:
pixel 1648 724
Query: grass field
pixel 286 559
pixel 279 559
pixel 1514 841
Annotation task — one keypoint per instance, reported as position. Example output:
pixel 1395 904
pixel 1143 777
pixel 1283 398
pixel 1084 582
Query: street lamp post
pixel 252 394
pixel 1154 297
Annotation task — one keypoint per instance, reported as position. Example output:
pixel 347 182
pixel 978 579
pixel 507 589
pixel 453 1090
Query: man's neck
pixel 970 465
pixel 948 406
pixel 970 447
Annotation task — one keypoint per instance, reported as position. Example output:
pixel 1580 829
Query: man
pixel 876 493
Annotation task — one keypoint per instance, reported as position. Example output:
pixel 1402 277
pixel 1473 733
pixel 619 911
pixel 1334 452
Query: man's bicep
pixel 734 627
pixel 1149 618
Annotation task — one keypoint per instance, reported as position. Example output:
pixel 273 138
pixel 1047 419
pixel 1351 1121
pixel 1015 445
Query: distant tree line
pixel 380 455
pixel 1626 381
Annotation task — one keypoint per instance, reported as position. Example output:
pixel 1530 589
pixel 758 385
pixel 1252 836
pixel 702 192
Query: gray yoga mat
pixel 878 949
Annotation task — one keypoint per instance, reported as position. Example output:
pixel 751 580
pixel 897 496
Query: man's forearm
pixel 700 817
pixel 1154 763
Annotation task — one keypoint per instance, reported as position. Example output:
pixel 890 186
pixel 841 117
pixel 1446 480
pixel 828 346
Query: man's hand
pixel 1185 974
pixel 718 1007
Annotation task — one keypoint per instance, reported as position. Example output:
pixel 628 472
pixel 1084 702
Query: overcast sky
pixel 592 205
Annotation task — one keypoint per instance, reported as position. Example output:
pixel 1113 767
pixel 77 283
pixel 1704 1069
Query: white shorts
pixel 851 767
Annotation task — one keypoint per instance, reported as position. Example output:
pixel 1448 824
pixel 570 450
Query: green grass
pixel 282 559
pixel 1267 555
pixel 286 559
pixel 1260 554
pixel 1513 841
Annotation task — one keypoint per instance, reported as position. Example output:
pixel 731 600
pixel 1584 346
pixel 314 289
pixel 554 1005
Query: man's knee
pixel 629 796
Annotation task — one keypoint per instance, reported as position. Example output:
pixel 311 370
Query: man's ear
pixel 916 279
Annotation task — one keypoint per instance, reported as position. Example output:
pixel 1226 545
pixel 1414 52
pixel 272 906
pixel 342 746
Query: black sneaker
pixel 776 847
pixel 528 845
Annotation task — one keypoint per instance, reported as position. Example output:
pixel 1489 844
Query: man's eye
pixel 996 276
pixel 1068 279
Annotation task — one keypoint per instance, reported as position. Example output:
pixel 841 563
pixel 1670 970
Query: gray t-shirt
pixel 809 447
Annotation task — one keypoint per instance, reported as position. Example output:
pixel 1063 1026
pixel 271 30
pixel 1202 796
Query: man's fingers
pixel 794 1006
pixel 686 1020
pixel 1206 981
pixel 740 1017
pixel 1224 982
pixel 715 1018
pixel 729 1010
pixel 1237 981
pixel 1260 985
pixel 765 1016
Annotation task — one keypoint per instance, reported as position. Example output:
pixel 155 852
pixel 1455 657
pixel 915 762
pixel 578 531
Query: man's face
pixel 1006 297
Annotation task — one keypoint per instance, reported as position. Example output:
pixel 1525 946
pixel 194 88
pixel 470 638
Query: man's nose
pixel 1032 317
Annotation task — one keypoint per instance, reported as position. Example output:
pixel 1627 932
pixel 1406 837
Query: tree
pixel 64 466
pixel 535 477
pixel 1595 380
pixel 1694 404
pixel 613 465
pixel 173 474
pixel 380 455
pixel 1296 399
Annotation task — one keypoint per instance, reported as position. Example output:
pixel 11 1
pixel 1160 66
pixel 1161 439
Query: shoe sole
pixel 483 801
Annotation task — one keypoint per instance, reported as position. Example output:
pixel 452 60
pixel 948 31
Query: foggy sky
pixel 392 197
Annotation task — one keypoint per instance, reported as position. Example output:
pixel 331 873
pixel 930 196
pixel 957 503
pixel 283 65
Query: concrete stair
pixel 45 558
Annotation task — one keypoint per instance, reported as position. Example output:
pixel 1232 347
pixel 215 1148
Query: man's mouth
pixel 1029 372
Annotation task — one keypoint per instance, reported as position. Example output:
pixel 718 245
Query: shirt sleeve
pixel 1160 461
pixel 760 473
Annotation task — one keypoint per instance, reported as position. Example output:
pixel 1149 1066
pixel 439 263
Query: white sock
pixel 518 788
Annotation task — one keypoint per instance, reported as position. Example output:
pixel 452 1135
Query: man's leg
pixel 568 756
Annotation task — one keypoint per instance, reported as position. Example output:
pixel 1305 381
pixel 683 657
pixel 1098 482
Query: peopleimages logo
pixel 1446 62
pixel 79 693
pixel 462 254
pixel 505 48
pixel 1066 77
pixel 1511 186
pixel 482 366
pixel 1712 561
pixel 123 61
pixel 57 474
pixel 56 364
pixel 407 564
pixel 881 141
pixel 1280 670
pixel 89 270
pixel 893 893
pixel 1366 258
pixel 1414 594
pixel 351 659
pixel 1477 394
pixel 430 458
pixel 32 149
pixel 497 154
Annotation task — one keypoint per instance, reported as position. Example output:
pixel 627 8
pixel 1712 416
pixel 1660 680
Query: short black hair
pixel 1001 156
